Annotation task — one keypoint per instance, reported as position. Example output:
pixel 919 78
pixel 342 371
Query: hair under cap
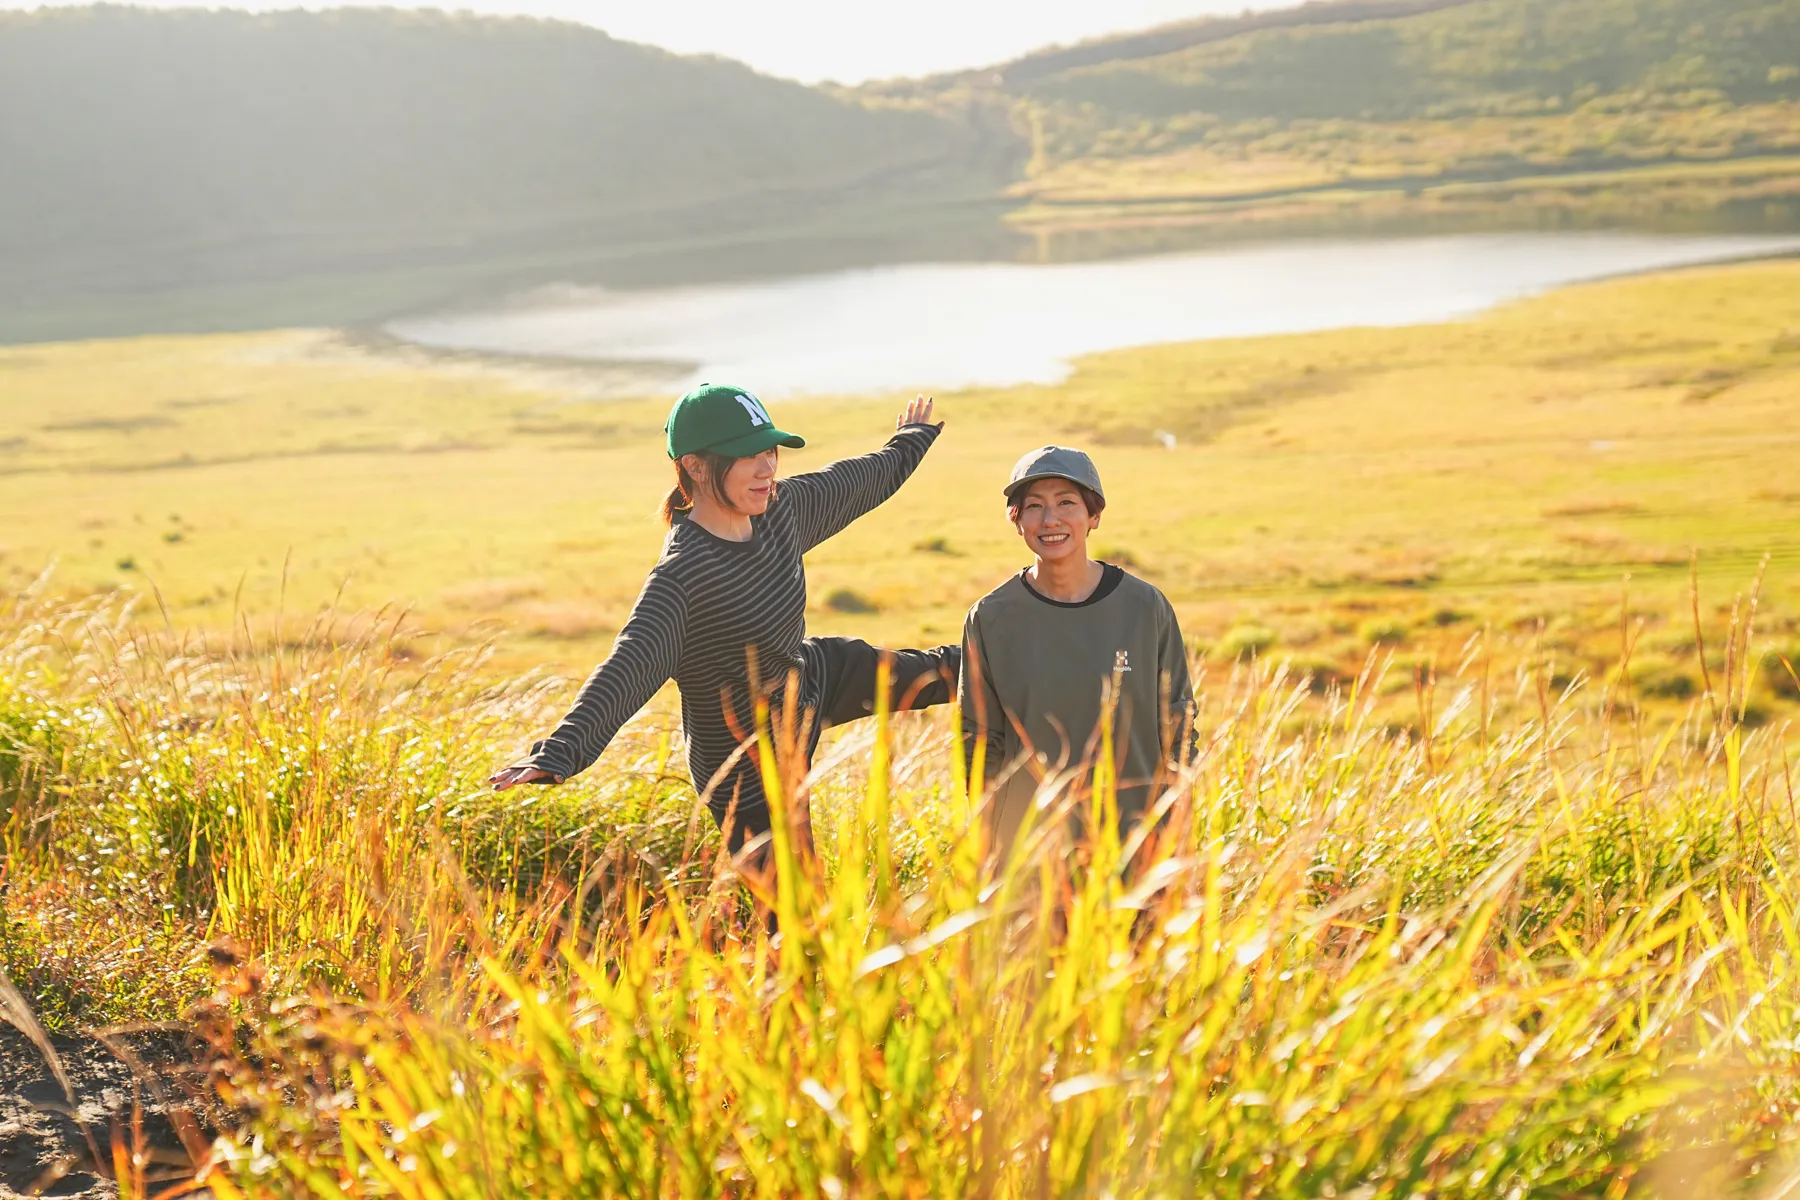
pixel 1054 462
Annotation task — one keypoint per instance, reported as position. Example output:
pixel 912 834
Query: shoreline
pixel 604 378
pixel 574 379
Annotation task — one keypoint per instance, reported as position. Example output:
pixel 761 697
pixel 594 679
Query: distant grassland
pixel 1325 493
pixel 1717 168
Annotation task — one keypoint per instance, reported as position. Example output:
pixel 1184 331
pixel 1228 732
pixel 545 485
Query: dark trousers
pixel 846 669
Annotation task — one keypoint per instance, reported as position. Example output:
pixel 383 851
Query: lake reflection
pixel 955 325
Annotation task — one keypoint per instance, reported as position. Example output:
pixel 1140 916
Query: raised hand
pixel 917 413
pixel 513 776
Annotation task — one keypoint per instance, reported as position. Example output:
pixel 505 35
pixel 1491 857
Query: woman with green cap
pixel 730 584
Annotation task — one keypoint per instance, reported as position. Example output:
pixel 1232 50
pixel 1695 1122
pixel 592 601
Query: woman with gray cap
pixel 731 584
pixel 1047 651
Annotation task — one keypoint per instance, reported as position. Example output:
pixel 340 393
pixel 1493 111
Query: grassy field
pixel 1537 950
pixel 1304 185
pixel 1619 163
pixel 1322 491
pixel 1483 883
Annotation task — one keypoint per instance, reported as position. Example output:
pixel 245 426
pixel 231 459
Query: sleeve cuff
pixel 542 757
pixel 930 430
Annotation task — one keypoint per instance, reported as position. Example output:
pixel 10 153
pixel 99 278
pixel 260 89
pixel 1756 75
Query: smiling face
pixel 1054 520
pixel 749 483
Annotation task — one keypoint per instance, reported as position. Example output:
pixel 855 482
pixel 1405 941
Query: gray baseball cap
pixel 1055 462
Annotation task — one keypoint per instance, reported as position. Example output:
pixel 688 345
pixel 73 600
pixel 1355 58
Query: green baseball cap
pixel 725 420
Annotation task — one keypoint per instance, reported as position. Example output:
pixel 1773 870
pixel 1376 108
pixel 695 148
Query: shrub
pixel 1384 631
pixel 846 601
pixel 1245 641
pixel 1119 556
pixel 1320 674
pixel 937 545
pixel 1660 679
pixel 1780 675
pixel 1676 643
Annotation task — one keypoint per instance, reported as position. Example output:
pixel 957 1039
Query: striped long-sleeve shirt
pixel 706 602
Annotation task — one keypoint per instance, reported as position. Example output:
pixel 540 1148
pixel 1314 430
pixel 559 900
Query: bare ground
pixel 50 1147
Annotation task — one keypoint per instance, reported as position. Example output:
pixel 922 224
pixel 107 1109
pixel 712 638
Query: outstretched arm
pixel 643 658
pixel 825 501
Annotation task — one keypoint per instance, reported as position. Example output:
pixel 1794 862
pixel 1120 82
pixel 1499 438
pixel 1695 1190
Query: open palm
pixel 917 413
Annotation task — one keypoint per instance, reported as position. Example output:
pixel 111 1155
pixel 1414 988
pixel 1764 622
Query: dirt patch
pixel 50 1147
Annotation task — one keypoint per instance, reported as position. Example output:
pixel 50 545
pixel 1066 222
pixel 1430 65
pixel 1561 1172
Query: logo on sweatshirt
pixel 1122 661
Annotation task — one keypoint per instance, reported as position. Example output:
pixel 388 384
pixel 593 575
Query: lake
pixel 945 326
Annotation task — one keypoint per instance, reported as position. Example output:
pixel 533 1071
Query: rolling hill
pixel 1449 60
pixel 1183 35
pixel 1412 112
pixel 216 168
pixel 194 170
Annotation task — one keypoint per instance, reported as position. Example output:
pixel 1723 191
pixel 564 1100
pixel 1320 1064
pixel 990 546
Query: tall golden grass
pixel 1532 945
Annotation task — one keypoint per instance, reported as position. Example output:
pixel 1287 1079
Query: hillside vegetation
pixel 197 169
pixel 1181 35
pixel 1494 57
pixel 1501 111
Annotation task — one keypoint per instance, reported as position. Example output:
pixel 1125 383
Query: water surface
pixel 943 326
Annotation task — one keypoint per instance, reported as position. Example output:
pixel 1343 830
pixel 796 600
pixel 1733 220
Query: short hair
pixel 1091 500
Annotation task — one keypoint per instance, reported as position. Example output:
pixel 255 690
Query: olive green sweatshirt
pixel 1035 676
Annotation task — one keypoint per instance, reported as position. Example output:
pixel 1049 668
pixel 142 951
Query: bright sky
pixel 846 40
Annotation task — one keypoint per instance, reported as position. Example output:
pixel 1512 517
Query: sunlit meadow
pixel 1535 946
pixel 1482 884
